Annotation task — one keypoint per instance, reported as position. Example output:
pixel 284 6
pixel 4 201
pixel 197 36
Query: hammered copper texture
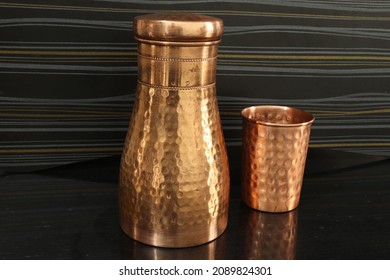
pixel 174 176
pixel 271 236
pixel 275 143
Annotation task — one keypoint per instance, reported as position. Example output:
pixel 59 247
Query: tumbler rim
pixel 305 117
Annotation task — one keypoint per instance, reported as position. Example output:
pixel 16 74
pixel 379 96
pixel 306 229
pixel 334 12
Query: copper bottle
pixel 174 175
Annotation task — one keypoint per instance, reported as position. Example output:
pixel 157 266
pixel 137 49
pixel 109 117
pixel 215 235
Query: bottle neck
pixel 181 65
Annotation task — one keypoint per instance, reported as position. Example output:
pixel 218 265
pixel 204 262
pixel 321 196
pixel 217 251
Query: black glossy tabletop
pixel 71 212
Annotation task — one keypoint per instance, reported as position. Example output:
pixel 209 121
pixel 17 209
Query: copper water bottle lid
pixel 178 27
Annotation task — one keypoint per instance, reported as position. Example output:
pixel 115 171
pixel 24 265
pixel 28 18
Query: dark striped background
pixel 68 72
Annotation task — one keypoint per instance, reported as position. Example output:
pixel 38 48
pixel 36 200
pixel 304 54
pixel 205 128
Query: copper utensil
pixel 174 175
pixel 275 143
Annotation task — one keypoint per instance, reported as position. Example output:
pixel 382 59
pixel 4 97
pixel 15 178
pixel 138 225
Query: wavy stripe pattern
pixel 68 72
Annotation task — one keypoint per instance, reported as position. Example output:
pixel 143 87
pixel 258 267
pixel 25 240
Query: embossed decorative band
pixel 174 43
pixel 172 59
pixel 176 87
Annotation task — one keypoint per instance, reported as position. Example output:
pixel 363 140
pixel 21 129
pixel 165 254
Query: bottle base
pixel 177 239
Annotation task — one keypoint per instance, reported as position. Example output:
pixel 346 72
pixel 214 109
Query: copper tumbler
pixel 275 143
pixel 174 174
